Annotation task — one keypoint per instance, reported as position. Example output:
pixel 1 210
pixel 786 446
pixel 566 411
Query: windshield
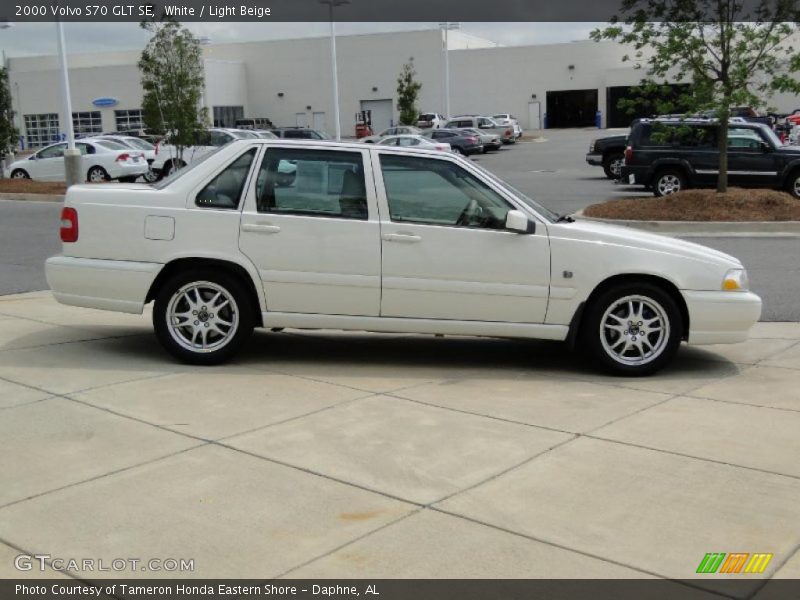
pixel 181 172
pixel 243 135
pixel 546 213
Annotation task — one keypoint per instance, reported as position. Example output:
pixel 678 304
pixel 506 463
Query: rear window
pixel 427 117
pixel 111 145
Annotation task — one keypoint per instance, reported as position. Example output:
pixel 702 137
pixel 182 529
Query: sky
pixel 26 39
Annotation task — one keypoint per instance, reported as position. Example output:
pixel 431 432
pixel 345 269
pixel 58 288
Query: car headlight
pixel 735 280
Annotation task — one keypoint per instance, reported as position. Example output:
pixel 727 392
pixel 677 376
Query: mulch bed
pixel 29 186
pixel 737 204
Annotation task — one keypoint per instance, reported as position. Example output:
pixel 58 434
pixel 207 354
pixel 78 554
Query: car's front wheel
pixel 632 329
pixel 203 317
pixel 612 165
pixel 20 174
pixel 668 182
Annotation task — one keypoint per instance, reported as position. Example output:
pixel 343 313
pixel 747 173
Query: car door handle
pixel 260 228
pixel 406 238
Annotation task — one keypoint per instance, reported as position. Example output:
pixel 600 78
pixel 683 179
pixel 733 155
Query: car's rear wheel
pixel 632 329
pixel 669 181
pixel 612 165
pixel 151 176
pixel 20 174
pixel 97 174
pixel 792 185
pixel 203 317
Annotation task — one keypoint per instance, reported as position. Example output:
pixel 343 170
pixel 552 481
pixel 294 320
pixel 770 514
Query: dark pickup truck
pixel 609 153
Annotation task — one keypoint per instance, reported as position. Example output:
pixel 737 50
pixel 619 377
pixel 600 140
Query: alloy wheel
pixel 634 330
pixel 202 316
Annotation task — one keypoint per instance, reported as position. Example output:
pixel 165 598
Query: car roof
pixel 360 146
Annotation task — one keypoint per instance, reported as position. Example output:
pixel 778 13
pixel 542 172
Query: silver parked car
pixel 399 130
pixel 506 133
pixel 489 139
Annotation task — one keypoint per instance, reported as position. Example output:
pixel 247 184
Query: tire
pixel 97 174
pixel 612 165
pixel 668 181
pixel 173 165
pixel 151 176
pixel 613 340
pixel 792 184
pixel 192 340
pixel 20 174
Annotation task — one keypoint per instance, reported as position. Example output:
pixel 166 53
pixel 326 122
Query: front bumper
pixel 721 317
pixel 596 160
pixel 116 285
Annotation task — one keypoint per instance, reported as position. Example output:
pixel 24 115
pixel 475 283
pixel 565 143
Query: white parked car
pixel 400 130
pixel 407 141
pixel 489 139
pixel 168 160
pixel 101 160
pixel 376 238
pixel 148 149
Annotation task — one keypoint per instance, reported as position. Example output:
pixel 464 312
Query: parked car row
pixel 465 134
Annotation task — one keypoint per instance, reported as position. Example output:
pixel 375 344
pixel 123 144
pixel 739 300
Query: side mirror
pixel 518 221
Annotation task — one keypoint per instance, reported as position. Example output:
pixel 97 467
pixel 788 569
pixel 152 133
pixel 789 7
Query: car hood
pixel 605 233
pixel 792 149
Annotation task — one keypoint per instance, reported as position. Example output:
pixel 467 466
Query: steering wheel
pixel 464 218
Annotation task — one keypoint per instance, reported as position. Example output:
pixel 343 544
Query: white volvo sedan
pixel 376 238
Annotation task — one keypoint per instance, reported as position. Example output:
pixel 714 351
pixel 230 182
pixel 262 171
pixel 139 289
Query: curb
pixel 23 197
pixel 708 228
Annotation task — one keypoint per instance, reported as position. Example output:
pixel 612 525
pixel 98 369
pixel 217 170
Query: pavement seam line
pixel 26 552
pixel 738 403
pixel 571 549
pixel 101 476
pixel 690 456
pixel 295 418
pixel 350 542
pixel 64 343
pixel 789 556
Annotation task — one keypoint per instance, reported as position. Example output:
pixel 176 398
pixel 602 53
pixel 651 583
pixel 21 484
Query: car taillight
pixel 440 147
pixel 509 132
pixel 158 147
pixel 69 225
pixel 472 140
pixel 591 145
pixel 123 156
pixel 628 154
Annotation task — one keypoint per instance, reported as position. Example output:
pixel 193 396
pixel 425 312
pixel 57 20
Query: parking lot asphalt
pixel 361 455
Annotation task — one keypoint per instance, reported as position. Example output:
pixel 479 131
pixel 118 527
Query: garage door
pixel 382 114
pixel 571 108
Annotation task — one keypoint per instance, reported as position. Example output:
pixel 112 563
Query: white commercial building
pixel 289 81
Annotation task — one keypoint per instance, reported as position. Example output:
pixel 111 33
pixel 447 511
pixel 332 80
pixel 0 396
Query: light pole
pixel 331 4
pixel 72 157
pixel 445 27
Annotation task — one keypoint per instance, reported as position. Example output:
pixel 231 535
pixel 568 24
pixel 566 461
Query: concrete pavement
pixel 360 455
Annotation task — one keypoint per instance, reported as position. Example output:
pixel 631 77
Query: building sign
pixel 105 102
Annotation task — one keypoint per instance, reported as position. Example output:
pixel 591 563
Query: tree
pixel 172 78
pixel 8 133
pixel 733 55
pixel 407 93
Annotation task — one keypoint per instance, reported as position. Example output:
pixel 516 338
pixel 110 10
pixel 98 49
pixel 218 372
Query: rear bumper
pixel 116 285
pixel 129 169
pixel 721 317
pixel 636 175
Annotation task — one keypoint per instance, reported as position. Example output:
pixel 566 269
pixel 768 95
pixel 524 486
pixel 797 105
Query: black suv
pixel 671 155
